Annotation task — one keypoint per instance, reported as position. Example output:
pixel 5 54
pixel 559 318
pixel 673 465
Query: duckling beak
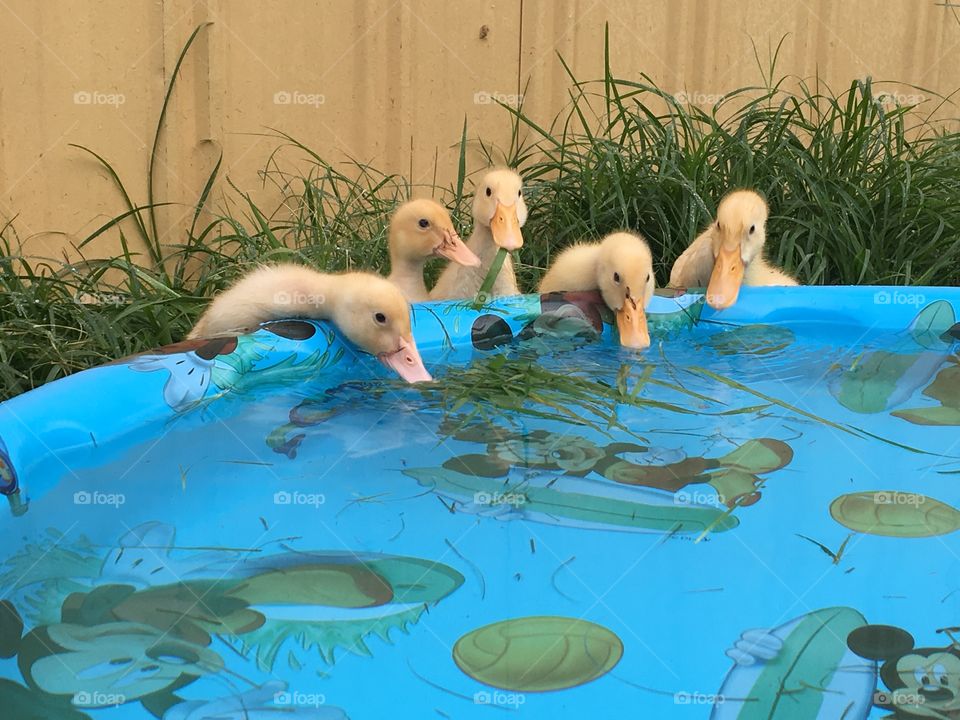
pixel 505 226
pixel 726 278
pixel 453 248
pixel 406 362
pixel 632 324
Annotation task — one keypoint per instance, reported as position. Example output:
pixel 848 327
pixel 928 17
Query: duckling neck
pixel 317 297
pixel 407 274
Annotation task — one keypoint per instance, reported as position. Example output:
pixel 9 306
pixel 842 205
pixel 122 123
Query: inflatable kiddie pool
pixel 754 518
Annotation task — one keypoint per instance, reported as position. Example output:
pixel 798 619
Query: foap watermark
pixel 282 497
pixel 696 98
pixel 285 297
pixel 497 697
pixel 499 498
pixel 898 297
pixel 899 98
pixel 100 298
pixel 485 97
pixel 899 498
pixel 98 699
pixel 697 698
pixel 299 699
pixel 296 97
pixel 95 497
pixel 95 97
pixel 898 697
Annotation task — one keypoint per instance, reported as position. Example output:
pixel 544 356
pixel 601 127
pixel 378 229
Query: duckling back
pixel 268 293
pixel 574 269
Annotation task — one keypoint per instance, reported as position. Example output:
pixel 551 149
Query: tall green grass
pixel 861 191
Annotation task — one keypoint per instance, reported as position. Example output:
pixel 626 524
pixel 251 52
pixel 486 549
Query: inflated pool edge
pixel 132 396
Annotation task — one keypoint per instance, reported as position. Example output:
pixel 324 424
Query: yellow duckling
pixel 498 214
pixel 368 309
pixel 419 230
pixel 621 267
pixel 729 253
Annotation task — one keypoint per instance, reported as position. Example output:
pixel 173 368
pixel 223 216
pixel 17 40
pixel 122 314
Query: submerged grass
pixel 861 191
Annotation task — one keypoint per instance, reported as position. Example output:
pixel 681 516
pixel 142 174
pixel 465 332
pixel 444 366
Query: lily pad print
pixel 538 654
pixel 752 340
pixel 895 514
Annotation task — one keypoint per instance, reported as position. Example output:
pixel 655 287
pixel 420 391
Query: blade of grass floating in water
pixel 553 578
pixel 849 429
pixel 726 514
pixel 473 566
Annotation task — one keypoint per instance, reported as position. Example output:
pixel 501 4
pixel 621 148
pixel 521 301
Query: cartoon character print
pixel 921 682
pixel 733 476
pixel 8 476
pixel 191 362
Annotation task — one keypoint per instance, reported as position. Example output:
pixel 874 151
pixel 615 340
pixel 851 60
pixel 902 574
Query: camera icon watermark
pixel 499 698
pixel 283 497
pixel 897 297
pixel 95 497
pixel 295 698
pixel 485 97
pixel 499 498
pixel 95 97
pixel 296 97
pixel 891 497
pixel 96 699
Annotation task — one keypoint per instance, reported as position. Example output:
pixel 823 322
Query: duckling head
pixel 498 204
pixel 626 281
pixel 420 229
pixel 738 236
pixel 375 316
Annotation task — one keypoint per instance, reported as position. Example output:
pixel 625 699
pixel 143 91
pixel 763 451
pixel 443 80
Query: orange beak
pixel 453 248
pixel 505 226
pixel 632 324
pixel 726 278
pixel 406 362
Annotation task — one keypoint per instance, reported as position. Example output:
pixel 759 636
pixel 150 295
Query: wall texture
pixel 384 81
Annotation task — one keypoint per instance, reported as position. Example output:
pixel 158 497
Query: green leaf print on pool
pixel 538 654
pixel 883 379
pixel 892 513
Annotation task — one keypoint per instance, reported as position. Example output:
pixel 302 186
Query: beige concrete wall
pixel 384 81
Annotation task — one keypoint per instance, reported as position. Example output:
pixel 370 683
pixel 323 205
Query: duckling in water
pixel 621 267
pixel 729 253
pixel 498 214
pixel 419 230
pixel 370 311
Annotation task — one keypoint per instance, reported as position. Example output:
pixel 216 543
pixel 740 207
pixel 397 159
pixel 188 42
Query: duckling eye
pixel 380 318
pixel 616 278
pixel 489 192
pixel 519 193
pixel 752 228
pixel 424 223
pixel 648 277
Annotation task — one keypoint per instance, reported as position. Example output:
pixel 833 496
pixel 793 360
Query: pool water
pixel 755 518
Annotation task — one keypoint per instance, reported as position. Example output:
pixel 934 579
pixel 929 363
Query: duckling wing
pixel 695 264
